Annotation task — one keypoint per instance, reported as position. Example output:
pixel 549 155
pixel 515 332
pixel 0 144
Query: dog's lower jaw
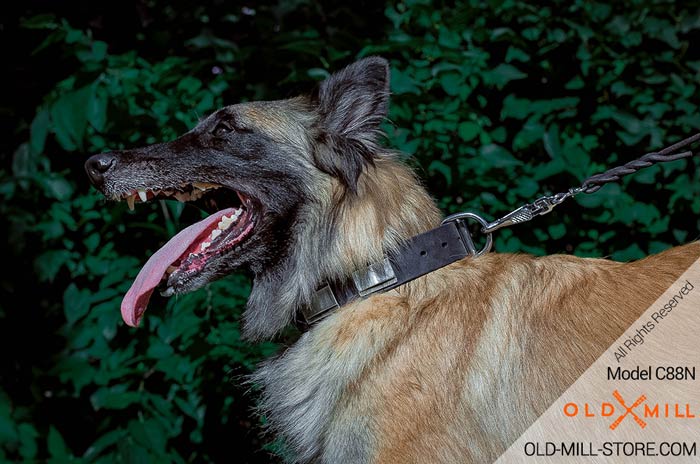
pixel 421 374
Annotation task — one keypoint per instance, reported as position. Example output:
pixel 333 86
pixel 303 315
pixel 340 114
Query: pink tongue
pixel 136 299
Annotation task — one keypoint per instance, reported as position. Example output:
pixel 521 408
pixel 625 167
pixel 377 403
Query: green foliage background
pixel 498 102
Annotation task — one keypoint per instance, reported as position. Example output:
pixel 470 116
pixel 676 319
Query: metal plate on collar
pixel 374 277
pixel 322 301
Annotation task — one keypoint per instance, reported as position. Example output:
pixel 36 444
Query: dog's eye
pixel 222 129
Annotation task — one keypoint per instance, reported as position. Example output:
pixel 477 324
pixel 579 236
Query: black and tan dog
pixel 300 193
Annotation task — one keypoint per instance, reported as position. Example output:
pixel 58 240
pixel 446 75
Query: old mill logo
pixel 640 411
pixel 628 410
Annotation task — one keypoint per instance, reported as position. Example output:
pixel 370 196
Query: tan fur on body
pixel 420 374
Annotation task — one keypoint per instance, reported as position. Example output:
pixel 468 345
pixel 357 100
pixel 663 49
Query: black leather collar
pixel 424 253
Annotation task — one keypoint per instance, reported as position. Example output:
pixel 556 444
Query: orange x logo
pixel 628 410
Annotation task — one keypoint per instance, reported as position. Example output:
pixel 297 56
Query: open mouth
pixel 185 255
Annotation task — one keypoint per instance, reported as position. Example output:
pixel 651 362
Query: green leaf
pixel 318 74
pixel 526 187
pixel 28 441
pixel 56 446
pixel 442 168
pixel 76 303
pixel 503 74
pixel 451 82
pixel 158 349
pixel 49 263
pixel 515 54
pixel 468 130
pixel 91 242
pixel 575 84
pixel 657 247
pixel 551 142
pixel 150 434
pixel 106 440
pixel 38 131
pixel 97 108
pixel 402 83
pixel 99 50
pixel 116 397
pixel 58 188
pixel 498 157
pixel 514 107
pixel 24 163
pixel 8 432
pixel 189 85
pixel 630 253
pixel 40 21
pixel 557 231
pixel 69 117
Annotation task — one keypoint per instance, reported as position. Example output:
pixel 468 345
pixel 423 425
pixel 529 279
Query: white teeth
pixel 215 233
pixel 170 291
pixel 205 245
pixel 130 201
pixel 142 195
pixel 225 222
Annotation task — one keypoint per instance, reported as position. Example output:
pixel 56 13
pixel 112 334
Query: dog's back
pixel 421 374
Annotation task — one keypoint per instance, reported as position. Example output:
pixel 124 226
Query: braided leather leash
pixel 545 204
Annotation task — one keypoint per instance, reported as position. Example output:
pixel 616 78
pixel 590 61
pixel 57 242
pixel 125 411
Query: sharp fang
pixel 205 245
pixel 130 201
pixel 215 233
pixel 170 291
pixel 142 195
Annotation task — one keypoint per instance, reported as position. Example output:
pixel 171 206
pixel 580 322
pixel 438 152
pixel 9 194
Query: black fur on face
pixel 221 150
pixel 272 154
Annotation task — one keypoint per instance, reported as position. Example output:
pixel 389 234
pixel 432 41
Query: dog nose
pixel 97 165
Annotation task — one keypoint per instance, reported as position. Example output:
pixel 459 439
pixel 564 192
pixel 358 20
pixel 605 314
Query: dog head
pixel 272 175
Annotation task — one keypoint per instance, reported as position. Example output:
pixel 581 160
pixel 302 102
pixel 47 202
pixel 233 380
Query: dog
pixel 300 193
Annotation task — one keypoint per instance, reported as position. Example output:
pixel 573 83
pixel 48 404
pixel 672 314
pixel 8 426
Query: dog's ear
pixel 352 104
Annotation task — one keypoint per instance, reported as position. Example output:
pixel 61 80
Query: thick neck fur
pixel 338 232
